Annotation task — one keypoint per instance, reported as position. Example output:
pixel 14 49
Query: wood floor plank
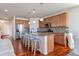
pixel 20 50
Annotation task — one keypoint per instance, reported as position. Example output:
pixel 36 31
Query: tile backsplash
pixel 55 29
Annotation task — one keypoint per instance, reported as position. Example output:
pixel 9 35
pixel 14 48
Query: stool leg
pixel 35 48
pixel 32 46
pixel 25 43
pixel 28 44
pixel 22 40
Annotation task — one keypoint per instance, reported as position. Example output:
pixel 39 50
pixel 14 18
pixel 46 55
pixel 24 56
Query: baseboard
pixel 42 52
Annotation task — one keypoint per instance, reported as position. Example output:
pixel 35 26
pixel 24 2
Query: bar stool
pixel 30 41
pixel 35 45
pixel 23 40
pixel 26 40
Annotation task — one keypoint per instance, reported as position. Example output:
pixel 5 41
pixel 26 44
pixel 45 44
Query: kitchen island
pixel 48 39
pixel 46 42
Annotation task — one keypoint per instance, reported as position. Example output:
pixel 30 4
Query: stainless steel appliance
pixel 19 30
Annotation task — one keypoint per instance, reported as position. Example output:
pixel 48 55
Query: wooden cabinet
pixel 50 43
pixel 41 23
pixel 60 38
pixel 57 20
pixel 23 22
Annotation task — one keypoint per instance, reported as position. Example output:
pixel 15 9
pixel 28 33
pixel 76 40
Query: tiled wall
pixel 55 29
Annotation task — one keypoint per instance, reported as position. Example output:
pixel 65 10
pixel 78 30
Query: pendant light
pixel 28 22
pixel 34 21
pixel 41 19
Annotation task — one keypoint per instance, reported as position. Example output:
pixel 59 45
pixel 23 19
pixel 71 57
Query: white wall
pixel 34 26
pixel 74 21
pixel 5 28
pixel 74 27
pixel 13 27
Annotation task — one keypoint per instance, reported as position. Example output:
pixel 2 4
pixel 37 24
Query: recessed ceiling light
pixel 5 10
pixel 2 21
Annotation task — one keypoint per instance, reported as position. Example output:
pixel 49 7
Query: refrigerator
pixel 19 30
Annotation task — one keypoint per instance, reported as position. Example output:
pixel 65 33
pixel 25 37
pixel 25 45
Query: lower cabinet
pixel 60 38
pixel 50 44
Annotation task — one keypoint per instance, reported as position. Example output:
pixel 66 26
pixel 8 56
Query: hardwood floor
pixel 20 50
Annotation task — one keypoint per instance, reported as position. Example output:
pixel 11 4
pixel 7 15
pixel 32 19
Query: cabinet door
pixel 50 43
pixel 60 39
pixel 63 19
pixel 57 20
pixel 23 22
pixel 41 24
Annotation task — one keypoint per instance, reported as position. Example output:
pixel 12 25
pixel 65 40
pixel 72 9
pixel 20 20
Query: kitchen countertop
pixel 42 33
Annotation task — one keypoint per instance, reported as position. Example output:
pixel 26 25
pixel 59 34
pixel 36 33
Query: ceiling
pixel 25 9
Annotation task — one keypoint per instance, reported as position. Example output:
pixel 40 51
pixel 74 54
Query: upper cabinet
pixel 55 21
pixel 23 22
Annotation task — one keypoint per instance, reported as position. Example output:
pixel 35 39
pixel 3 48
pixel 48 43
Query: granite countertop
pixel 41 33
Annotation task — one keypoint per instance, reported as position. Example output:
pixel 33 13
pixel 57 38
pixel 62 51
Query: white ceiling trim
pixel 21 18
